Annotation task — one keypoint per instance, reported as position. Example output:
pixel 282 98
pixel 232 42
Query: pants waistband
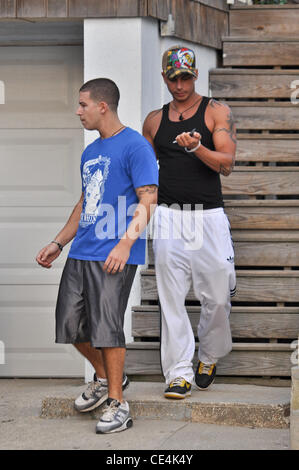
pixel 201 211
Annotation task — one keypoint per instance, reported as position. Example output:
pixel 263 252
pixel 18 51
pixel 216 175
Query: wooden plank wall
pixel 203 22
pixel 261 201
pixel 265 21
pixel 71 8
pixel 100 8
pixel 262 194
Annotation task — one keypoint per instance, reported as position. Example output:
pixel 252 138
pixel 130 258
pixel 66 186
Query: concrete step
pixel 226 404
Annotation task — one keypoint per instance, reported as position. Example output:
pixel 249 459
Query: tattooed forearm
pixel 226 170
pixel 223 170
pixel 231 129
pixel 150 189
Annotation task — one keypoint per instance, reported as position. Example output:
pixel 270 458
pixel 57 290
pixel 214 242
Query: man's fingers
pixel 46 256
pixel 110 265
pixel 106 264
pixel 44 264
pixel 121 267
pixel 113 265
pixel 185 138
pixel 115 268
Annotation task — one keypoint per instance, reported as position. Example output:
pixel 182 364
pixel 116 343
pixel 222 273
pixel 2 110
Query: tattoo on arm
pixel 150 189
pixel 214 103
pixel 231 128
pixel 157 111
pixel 225 171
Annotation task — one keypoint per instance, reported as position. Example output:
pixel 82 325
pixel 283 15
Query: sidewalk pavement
pixel 23 428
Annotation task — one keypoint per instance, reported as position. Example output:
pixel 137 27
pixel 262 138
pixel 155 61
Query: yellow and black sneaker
pixel 205 375
pixel 178 388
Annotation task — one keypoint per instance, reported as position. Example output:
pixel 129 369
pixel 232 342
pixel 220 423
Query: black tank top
pixel 183 178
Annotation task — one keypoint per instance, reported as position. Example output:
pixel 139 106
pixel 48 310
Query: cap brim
pixel 175 72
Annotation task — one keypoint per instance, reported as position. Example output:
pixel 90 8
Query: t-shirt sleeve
pixel 143 166
pixel 81 169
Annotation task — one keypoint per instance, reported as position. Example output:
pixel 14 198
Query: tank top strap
pixel 202 109
pixel 165 111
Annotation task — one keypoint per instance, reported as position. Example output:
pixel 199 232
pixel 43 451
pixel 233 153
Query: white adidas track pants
pixel 193 247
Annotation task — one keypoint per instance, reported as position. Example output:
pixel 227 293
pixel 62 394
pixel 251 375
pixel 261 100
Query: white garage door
pixel 41 140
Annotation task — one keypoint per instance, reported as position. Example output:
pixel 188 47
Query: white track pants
pixel 207 261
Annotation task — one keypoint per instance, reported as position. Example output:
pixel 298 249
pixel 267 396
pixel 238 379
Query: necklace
pixel 182 112
pixel 117 131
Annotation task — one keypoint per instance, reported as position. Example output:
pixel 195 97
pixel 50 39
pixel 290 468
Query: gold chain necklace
pixel 182 112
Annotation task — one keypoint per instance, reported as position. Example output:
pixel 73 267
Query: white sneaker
pixel 95 395
pixel 116 417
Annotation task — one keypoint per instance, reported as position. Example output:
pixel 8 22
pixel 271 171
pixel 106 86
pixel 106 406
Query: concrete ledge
pixel 237 405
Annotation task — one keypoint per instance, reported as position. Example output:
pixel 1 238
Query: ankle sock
pixel 100 379
pixel 109 400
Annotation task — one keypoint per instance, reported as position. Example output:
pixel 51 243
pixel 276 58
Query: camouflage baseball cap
pixel 177 60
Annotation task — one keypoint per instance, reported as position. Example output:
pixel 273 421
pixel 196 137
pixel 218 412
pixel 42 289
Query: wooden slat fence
pixel 260 64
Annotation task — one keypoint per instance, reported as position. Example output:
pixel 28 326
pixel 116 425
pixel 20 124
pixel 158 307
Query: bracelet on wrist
pixel 194 149
pixel 58 244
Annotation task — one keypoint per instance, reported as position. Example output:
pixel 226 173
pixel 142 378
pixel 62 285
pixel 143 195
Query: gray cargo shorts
pixel 91 304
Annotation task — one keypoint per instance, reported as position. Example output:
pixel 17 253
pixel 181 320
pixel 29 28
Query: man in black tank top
pixel 195 142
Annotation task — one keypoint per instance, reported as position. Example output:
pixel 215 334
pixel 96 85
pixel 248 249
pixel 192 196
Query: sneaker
pixel 178 388
pixel 95 394
pixel 116 417
pixel 205 375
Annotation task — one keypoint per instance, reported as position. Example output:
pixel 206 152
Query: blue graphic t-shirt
pixel 111 169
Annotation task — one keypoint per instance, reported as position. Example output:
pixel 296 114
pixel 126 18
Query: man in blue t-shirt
pixel 119 175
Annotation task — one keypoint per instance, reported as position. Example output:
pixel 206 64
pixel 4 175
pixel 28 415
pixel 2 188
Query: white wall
pixel 129 51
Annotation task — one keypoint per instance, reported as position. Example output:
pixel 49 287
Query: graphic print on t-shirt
pixel 94 175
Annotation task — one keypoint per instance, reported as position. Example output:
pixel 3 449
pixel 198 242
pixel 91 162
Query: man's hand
pixel 117 258
pixel 187 140
pixel 47 255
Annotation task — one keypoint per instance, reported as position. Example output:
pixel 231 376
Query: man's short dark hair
pixel 103 89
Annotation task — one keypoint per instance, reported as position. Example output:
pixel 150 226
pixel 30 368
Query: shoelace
pixel 110 411
pixel 177 381
pixel 91 388
pixel 205 368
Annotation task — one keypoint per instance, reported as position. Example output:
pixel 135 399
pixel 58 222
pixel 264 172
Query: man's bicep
pixel 151 125
pixel 224 133
pixel 148 137
pixel 147 129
